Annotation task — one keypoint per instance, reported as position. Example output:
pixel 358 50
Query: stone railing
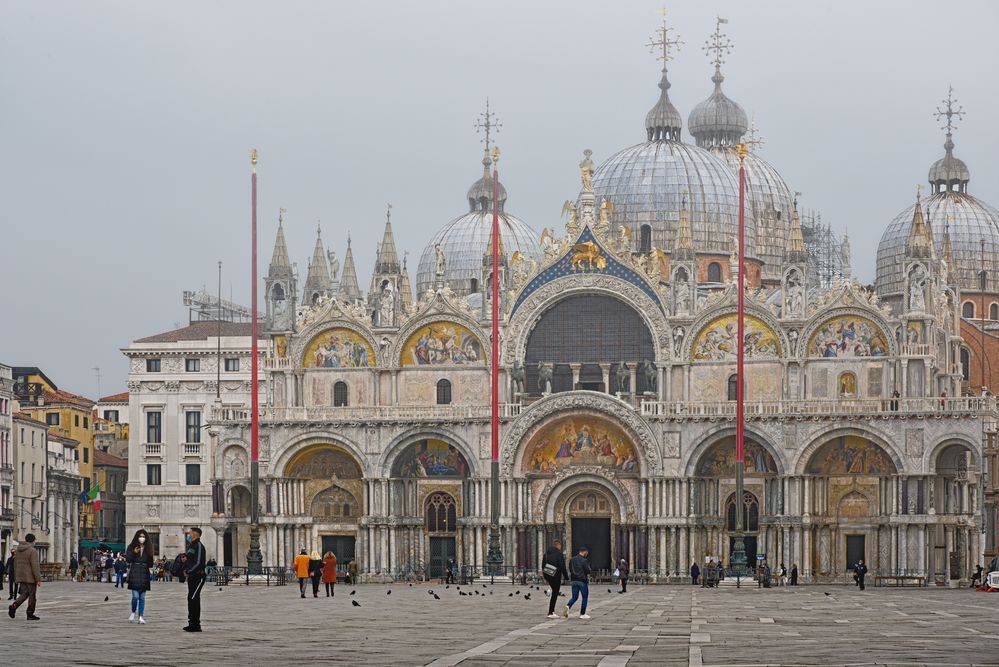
pixel 917 350
pixel 192 449
pixel 846 407
pixel 153 448
pixel 402 413
pixel 277 362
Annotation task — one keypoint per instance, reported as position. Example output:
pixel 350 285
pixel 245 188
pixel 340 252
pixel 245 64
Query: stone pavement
pixel 651 625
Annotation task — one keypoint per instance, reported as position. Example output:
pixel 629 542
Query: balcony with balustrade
pixel 373 413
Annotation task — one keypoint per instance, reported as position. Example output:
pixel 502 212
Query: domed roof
pixel 967 220
pixel 465 239
pixel 771 202
pixel 718 120
pixel 648 184
pixel 949 172
pixel 663 120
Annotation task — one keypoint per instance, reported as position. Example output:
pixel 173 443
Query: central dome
pixel 649 183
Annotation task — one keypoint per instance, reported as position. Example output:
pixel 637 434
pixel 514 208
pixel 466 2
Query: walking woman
pixel 139 556
pixel 329 573
pixel 316 572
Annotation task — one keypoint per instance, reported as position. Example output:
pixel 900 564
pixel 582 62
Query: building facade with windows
pixel 617 358
pixel 174 381
pixel 6 459
pixel 111 475
pixel 63 493
pixel 30 481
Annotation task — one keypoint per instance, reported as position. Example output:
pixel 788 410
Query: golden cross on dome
pixel 753 138
pixel 487 123
pixel 949 112
pixel 662 40
pixel 719 43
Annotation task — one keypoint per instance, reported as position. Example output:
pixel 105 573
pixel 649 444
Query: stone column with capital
pixel 575 374
pixel 605 372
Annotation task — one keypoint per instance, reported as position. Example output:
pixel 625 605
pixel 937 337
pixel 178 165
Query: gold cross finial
pixel 496 155
pixel 753 137
pixel 253 159
pixel 719 44
pixel 487 123
pixel 662 40
pixel 949 111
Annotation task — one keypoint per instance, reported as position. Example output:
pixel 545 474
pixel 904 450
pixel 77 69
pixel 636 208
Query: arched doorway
pixel 440 513
pixel 589 512
pixel 595 331
pixel 750 508
pixel 953 492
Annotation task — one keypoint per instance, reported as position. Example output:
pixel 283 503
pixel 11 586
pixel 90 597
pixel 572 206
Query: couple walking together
pixel 554 568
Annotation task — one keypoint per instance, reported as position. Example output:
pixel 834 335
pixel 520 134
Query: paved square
pixel 651 625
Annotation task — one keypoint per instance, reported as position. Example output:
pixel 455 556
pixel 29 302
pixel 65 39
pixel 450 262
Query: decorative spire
pixel 480 195
pixel 920 244
pixel 684 235
pixel 949 172
pixel 948 251
pixel 349 289
pixel 753 138
pixel 796 253
pixel 279 260
pixel 387 261
pixel 318 282
pixel 663 122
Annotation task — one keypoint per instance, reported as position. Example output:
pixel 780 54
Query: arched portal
pixel 594 331
pixel 440 513
pixel 590 513
pixel 239 502
pixel 851 455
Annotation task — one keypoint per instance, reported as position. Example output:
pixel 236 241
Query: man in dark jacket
pixel 554 561
pixel 695 573
pixel 29 576
pixel 860 571
pixel 194 571
pixel 11 579
pixel 579 576
pixel 794 574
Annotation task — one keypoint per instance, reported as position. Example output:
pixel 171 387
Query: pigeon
pixel 352 592
pixel 388 592
pixel 447 587
pixel 510 595
pixel 430 592
pixel 824 593
pixel 483 585
pixel 490 592
pixel 517 593
pixel 411 585
pixel 527 597
pixel 355 603
pixel 106 598
pixel 608 590
pixel 437 597
pixel 220 589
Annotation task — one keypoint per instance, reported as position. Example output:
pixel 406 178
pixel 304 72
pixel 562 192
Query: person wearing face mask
pixel 139 556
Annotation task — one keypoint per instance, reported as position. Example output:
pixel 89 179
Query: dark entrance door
pixel 749 541
pixel 855 548
pixel 442 549
pixel 226 548
pixel 342 547
pixel 595 534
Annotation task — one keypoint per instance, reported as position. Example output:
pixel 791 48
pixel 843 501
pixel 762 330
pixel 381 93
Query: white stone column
pixel 684 550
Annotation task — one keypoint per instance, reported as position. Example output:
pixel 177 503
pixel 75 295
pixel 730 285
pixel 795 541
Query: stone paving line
pixel 650 625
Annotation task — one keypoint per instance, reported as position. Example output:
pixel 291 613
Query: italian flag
pixel 94 496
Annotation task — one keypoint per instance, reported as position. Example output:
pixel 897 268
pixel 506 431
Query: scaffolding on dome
pixel 824 246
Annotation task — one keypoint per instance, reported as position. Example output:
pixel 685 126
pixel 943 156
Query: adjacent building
pixel 30 477
pixel 111 477
pixel 175 379
pixel 6 459
pixel 63 483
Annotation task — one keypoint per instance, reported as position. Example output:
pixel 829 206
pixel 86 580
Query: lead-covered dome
pixel 465 240
pixel 649 183
pixel 718 120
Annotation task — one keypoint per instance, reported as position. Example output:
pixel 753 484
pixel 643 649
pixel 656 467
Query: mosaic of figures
pixel 581 440
pixel 338 348
pixel 848 336
pixel 851 455
pixel 430 458
pixel 323 462
pixel 442 344
pixel 716 341
pixel 719 460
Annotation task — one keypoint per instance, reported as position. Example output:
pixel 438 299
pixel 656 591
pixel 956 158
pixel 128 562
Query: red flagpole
pixel 494 553
pixel 740 349
pixel 254 417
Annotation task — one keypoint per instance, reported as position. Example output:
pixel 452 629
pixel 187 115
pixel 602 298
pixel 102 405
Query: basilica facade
pixel 617 367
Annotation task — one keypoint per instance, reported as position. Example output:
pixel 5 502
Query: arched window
pixel 340 394
pixel 645 239
pixel 714 272
pixel 750 513
pixel 475 285
pixel 968 310
pixel 965 364
pixel 278 292
pixel 441 513
pixel 847 385
pixel 994 311
pixel 733 387
pixel 443 392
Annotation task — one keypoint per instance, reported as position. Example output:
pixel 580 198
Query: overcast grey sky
pixel 125 129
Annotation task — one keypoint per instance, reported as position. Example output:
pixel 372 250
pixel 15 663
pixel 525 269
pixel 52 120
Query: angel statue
pixel 586 169
pixel 603 223
pixel 572 219
pixel 548 244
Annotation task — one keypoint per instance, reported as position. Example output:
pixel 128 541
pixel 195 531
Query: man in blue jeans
pixel 579 577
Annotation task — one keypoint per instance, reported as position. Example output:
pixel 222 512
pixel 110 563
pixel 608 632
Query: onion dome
pixel 466 239
pixel 718 120
pixel 663 121
pixel 964 229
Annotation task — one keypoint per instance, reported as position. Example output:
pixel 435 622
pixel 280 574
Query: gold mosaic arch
pixel 580 440
pixel 848 336
pixel 323 462
pixel 338 347
pixel 443 343
pixel 716 341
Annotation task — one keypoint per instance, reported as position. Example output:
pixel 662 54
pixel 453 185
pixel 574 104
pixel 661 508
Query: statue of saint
pixel 334 264
pixel 586 169
pixel 441 260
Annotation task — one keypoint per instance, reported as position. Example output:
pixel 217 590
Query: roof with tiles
pixel 201 331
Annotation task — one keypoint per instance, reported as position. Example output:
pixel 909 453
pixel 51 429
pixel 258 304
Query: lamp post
pixel 737 560
pixel 254 558
pixel 494 554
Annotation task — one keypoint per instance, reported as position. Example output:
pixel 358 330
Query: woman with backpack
pixel 139 557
